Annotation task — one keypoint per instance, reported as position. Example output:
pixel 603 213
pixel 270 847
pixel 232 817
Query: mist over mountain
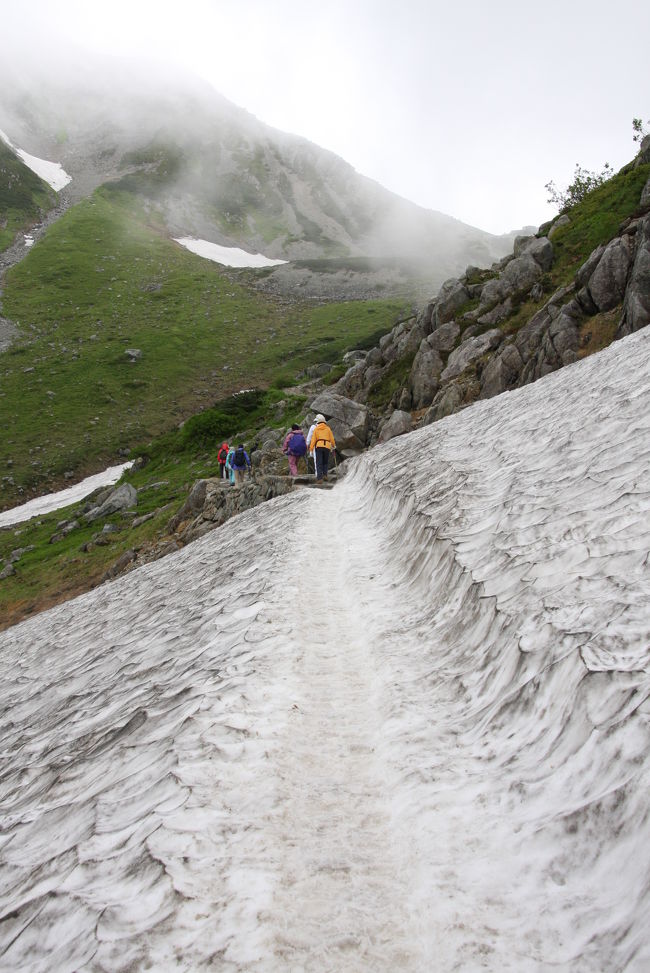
pixel 218 173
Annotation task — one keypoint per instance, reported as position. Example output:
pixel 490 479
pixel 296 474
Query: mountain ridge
pixel 217 171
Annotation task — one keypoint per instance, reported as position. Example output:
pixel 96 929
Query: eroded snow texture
pixel 400 725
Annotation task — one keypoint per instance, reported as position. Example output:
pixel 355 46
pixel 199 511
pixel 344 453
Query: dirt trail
pixel 17 252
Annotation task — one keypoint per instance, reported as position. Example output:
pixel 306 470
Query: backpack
pixel 239 459
pixel 221 455
pixel 297 445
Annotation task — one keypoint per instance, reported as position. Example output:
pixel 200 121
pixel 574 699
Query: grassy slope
pixel 105 279
pixel 57 570
pixel 23 196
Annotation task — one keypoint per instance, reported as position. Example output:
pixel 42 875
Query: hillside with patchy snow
pixel 399 725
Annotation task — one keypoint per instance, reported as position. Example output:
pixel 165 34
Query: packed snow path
pixel 401 725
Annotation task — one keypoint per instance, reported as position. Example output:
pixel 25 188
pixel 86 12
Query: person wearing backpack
pixel 239 463
pixel 222 456
pixel 294 446
pixel 322 443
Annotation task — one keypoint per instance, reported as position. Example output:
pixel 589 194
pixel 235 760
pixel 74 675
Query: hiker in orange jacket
pixel 322 443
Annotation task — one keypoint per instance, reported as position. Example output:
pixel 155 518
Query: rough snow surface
pixel 51 172
pixel 228 256
pixel 401 725
pixel 62 498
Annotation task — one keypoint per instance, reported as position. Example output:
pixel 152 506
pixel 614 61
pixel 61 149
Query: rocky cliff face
pixel 490 331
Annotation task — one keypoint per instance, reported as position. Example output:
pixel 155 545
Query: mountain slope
pixel 416 740
pixel 24 197
pixel 218 173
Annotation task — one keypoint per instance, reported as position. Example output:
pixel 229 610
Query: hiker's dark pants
pixel 322 455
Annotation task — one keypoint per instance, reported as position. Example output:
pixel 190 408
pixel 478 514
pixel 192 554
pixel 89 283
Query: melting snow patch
pixel 52 172
pixel 54 501
pixel 228 256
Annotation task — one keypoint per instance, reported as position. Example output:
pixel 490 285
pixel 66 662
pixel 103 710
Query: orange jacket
pixel 322 436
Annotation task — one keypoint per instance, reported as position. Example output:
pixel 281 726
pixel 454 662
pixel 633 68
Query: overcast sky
pixel 467 107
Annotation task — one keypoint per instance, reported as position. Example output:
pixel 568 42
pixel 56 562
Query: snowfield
pixel 403 725
pixel 62 498
pixel 51 172
pixel 228 256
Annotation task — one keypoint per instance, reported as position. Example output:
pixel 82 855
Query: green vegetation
pixel 168 465
pixel 596 219
pixel 106 279
pixel 584 182
pixel 24 197
pixel 394 378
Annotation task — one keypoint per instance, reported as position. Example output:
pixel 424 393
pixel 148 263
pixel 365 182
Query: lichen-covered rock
pixel 498 314
pixel 636 308
pixel 520 274
pixel 424 380
pixel 588 267
pixel 399 423
pixel 469 351
pixel 608 281
pixel 492 293
pixel 445 337
pixel 561 221
pixel 541 250
pixel 121 498
pixel 452 295
pixel 501 372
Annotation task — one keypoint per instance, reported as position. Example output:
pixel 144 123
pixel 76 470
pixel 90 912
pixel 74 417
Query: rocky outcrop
pixel 122 498
pixel 348 420
pixel 469 351
pixel 399 423
pixel 212 502
pixel 636 307
pixel 460 342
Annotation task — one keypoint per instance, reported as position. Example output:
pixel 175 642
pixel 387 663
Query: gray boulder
pixel 588 267
pixel 399 423
pixel 498 314
pixel 193 504
pixel 469 351
pixel 541 250
pixel 501 372
pixel 521 244
pixel 347 419
pixel 426 370
pixel 520 274
pixel 636 308
pixel 492 293
pixel 444 338
pixel 644 202
pixel 122 498
pixel 558 224
pixel 608 281
pixel 452 295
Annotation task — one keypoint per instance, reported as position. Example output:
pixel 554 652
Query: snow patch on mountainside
pixel 62 498
pixel 400 725
pixel 228 256
pixel 51 172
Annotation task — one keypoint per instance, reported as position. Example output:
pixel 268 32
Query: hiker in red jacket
pixel 221 459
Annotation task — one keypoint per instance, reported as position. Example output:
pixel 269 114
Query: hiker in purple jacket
pixel 294 446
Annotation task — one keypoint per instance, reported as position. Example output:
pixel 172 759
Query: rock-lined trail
pixel 400 725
